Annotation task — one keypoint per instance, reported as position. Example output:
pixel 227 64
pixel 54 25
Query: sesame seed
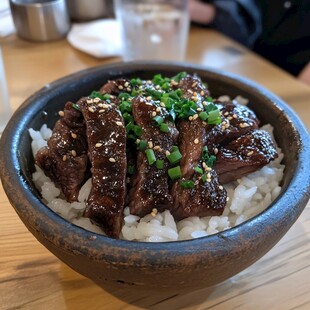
pixel 216 150
pixel 138 141
pixel 89 101
pixel 158 109
pixel 105 106
pixel 90 109
pixel 195 116
pixel 154 113
pixel 154 212
pixel 226 113
pixel 128 89
pixel 227 126
pixel 194 84
pixel 221 187
pixel 156 147
pixel 209 180
pixel 190 91
pixel 227 199
pixel 208 168
pixel 120 87
pixel 64 158
pixel 195 94
pixel 102 111
pixel 234 115
pixel 98 144
pixel 196 141
pixel 73 152
pixel 149 82
pixel 162 105
pixel 141 100
pixel 223 128
pixel 61 113
pixel 112 160
pixel 229 118
pixel 199 109
pixel 208 175
pixel 190 118
pixel 126 84
pixel 96 100
pixel 167 153
pixel 250 153
pixel 202 93
pixel 204 103
pixel 195 98
pixel 157 87
pixel 204 123
pixel 100 105
pixel 173 82
pixel 150 144
pixel 149 98
pixel 73 135
pixel 119 123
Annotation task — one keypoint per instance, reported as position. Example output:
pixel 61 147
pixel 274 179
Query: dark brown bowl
pixel 183 264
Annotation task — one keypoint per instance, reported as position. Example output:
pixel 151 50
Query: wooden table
pixel 32 278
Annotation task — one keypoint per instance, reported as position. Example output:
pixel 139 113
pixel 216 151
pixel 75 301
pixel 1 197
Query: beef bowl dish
pixel 156 175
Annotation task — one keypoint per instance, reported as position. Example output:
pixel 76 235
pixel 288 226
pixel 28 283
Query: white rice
pixel 248 196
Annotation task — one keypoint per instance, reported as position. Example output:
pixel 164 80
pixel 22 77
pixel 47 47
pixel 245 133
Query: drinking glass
pixel 153 29
pixel 5 108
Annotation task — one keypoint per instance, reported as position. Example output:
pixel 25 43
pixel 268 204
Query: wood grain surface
pixel 32 278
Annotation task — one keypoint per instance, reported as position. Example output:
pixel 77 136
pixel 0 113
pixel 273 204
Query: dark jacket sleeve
pixel 238 19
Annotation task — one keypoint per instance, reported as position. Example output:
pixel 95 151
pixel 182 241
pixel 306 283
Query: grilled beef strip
pixel 236 121
pixel 115 87
pixel 65 159
pixel 150 185
pixel 106 137
pixel 192 88
pixel 244 155
pixel 205 198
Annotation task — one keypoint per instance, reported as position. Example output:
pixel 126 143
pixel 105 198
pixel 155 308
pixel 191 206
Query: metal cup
pixel 40 20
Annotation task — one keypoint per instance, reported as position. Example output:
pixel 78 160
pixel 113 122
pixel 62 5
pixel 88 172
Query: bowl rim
pixel 79 239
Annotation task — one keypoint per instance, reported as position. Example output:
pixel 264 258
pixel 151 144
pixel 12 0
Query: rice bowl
pixel 193 264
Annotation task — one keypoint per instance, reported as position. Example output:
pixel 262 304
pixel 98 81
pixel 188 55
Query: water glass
pixel 5 108
pixel 153 29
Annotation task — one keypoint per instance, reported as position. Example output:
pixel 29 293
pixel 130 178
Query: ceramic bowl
pixel 183 264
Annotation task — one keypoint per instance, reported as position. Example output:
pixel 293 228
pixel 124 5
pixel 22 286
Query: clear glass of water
pixel 5 108
pixel 153 29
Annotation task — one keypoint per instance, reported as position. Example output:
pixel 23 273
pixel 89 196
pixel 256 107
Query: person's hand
pixel 202 13
pixel 304 76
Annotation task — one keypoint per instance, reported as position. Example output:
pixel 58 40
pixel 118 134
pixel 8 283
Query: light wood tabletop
pixel 33 278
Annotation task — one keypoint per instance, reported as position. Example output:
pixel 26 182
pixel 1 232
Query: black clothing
pixel 238 19
pixel 285 39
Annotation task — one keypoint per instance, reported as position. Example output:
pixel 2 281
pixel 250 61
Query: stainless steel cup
pixel 40 20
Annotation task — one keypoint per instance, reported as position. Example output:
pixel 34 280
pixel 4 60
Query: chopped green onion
pixel 96 94
pixel 174 148
pixel 75 106
pixel 129 127
pixel 199 170
pixel 124 96
pixel 188 184
pixel 213 115
pixel 175 173
pixel 179 76
pixel 131 169
pixel 137 130
pixel 142 145
pixel 204 178
pixel 211 161
pixel 135 82
pixel 106 96
pixel 151 158
pixel 159 164
pixel 209 99
pixel 174 157
pixel 203 115
pixel 164 127
pixel 158 120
